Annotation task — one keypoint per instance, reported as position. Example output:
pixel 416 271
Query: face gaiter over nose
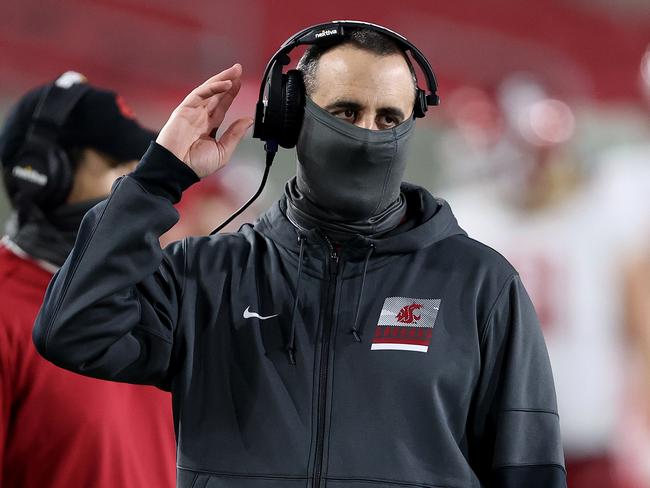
pixel 348 178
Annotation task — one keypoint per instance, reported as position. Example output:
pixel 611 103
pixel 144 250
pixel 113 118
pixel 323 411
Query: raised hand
pixel 191 129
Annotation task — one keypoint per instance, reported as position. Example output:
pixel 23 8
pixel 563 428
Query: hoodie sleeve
pixel 111 310
pixel 515 433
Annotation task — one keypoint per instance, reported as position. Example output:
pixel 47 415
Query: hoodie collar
pixel 428 220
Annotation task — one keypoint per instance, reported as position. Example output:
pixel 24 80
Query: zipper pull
pixel 334 268
pixel 333 254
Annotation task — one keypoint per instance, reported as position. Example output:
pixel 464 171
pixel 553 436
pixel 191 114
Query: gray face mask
pixel 354 173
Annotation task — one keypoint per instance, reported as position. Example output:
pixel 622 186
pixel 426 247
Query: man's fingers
pixel 230 94
pixel 213 88
pixel 199 95
pixel 207 88
pixel 218 106
pixel 232 136
pixel 228 74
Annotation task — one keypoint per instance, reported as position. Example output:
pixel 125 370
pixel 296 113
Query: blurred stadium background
pixel 541 144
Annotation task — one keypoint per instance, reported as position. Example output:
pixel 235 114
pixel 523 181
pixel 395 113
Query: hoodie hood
pixel 427 221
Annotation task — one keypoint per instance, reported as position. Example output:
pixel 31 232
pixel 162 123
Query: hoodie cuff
pixel 163 174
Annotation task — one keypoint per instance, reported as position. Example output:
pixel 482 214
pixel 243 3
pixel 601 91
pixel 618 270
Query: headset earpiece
pixel 421 105
pixel 43 174
pixel 62 174
pixel 280 120
pixel 293 104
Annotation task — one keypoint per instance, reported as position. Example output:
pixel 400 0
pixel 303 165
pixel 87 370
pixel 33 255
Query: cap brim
pixel 132 140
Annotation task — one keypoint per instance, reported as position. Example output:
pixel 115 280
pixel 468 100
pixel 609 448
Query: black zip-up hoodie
pixel 414 360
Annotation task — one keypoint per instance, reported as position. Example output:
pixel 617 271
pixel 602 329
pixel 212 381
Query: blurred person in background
pixel 61 148
pixel 626 170
pixel 572 230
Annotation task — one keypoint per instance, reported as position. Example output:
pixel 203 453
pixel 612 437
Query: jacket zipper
pixel 324 360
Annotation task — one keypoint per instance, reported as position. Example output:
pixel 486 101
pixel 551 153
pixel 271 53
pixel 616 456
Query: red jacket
pixel 62 430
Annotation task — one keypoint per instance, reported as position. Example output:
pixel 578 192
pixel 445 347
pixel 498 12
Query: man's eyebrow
pixel 344 105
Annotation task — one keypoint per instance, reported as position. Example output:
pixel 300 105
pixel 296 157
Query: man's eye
pixel 348 114
pixel 387 121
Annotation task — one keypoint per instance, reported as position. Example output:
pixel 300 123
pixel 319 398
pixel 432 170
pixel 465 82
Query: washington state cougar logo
pixel 405 324
pixel 406 315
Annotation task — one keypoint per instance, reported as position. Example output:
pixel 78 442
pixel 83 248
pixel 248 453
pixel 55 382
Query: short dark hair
pixel 365 39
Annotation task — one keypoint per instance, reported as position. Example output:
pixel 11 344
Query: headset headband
pixel 53 109
pixel 337 30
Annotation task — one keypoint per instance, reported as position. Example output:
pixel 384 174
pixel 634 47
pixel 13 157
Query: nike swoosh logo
pixel 248 314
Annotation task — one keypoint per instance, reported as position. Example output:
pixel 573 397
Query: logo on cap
pixel 125 109
pixel 69 78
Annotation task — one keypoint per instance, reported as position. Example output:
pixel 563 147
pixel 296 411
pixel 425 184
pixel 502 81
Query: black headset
pixel 42 173
pixel 278 116
pixel 280 106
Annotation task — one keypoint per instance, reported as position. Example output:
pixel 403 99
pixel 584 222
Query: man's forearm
pixel 94 319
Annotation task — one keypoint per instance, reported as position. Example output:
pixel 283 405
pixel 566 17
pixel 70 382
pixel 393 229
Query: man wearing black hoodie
pixel 353 336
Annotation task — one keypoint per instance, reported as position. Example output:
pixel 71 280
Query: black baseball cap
pixel 100 120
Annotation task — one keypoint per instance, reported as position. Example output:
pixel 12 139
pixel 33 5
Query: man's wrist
pixel 163 174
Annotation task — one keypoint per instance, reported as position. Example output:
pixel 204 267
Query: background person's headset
pixel 280 106
pixel 41 173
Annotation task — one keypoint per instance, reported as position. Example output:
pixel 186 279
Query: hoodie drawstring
pixel 354 330
pixel 291 343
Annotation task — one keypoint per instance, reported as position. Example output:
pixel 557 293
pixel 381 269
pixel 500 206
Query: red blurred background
pixel 154 52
